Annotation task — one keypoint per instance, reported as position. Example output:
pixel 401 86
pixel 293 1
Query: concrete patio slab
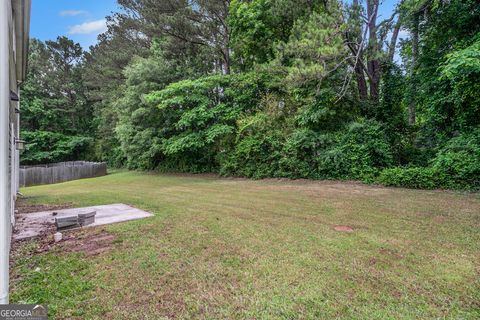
pixel 30 225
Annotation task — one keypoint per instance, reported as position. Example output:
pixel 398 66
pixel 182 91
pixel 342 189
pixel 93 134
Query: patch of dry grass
pixel 242 249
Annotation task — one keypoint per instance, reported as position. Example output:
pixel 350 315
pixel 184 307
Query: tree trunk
pixel 361 82
pixel 358 54
pixel 373 63
pixel 226 60
pixel 226 37
pixel 413 89
pixel 393 41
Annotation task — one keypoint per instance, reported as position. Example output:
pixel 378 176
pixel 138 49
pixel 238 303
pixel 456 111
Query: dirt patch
pixel 439 219
pixel 23 207
pixel 41 230
pixel 343 229
pixel 87 242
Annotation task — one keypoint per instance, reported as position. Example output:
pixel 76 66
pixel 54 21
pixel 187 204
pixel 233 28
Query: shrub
pixel 255 157
pixel 459 162
pixel 456 166
pixel 265 148
pixel 358 153
pixel 300 153
pixel 256 150
pixel 414 177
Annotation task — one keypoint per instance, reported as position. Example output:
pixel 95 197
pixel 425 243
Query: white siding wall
pixel 13 184
pixel 5 192
pixel 8 132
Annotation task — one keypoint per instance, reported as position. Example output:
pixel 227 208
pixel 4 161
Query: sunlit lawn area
pixel 241 249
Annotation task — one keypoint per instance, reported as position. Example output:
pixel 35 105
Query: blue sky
pixel 83 20
pixel 80 20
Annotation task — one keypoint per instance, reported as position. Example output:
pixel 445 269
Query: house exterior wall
pixel 13 44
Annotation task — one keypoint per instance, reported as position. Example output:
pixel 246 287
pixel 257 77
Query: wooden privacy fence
pixel 60 172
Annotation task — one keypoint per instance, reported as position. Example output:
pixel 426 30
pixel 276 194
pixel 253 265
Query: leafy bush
pixel 459 162
pixel 301 151
pixel 358 153
pixel 414 177
pixel 257 148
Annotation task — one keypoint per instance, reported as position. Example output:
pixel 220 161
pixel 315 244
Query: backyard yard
pixel 219 248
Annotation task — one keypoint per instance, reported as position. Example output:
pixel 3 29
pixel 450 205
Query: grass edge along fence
pixel 60 172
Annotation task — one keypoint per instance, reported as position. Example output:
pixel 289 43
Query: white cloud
pixel 97 26
pixel 66 13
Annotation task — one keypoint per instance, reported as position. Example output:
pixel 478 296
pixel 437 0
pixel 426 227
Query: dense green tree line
pixel 268 88
pixel 57 118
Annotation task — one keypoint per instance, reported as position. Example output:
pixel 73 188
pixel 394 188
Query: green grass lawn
pixel 241 249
